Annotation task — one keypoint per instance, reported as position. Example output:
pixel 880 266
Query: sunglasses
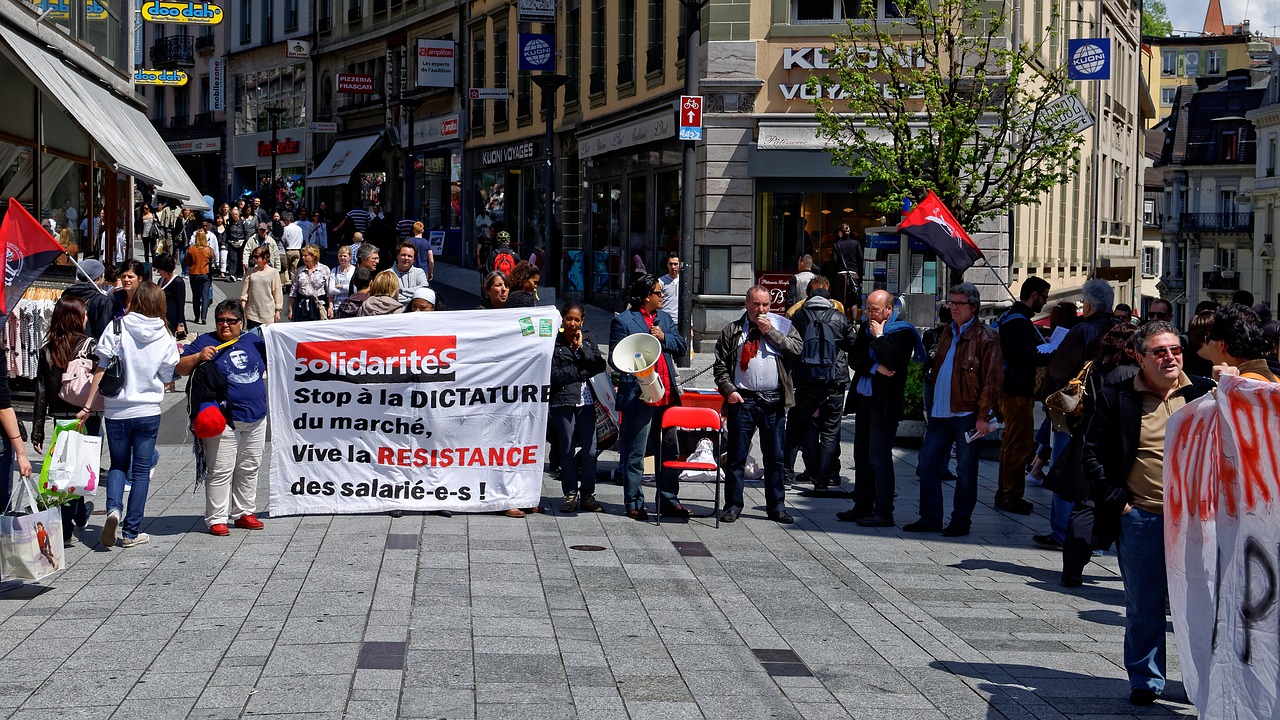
pixel 1159 315
pixel 1163 352
pixel 228 321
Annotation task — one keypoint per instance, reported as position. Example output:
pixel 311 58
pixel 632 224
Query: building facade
pixel 1265 198
pixel 269 78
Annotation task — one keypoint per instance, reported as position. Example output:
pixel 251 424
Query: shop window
pixel 524 98
pixel 500 60
pixel 61 184
pixel 604 237
pixel 793 224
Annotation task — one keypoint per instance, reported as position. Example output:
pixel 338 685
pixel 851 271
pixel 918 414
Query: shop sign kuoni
pixel 410 412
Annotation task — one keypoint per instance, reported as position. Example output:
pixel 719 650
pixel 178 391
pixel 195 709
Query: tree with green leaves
pixel 940 100
pixel 1155 19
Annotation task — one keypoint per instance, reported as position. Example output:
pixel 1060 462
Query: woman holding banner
pixel 495 291
pixel 575 361
pixel 235 454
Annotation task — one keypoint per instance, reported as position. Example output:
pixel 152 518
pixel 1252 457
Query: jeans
pixel 575 428
pixel 638 420
pixel 939 436
pixel 1060 510
pixel 874 482
pixel 232 488
pixel 199 302
pixel 132 446
pixel 1015 447
pixel 813 424
pixel 1141 553
pixel 744 419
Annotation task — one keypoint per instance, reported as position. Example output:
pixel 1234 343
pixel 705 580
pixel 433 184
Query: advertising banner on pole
pixel 1222 548
pixel 418 411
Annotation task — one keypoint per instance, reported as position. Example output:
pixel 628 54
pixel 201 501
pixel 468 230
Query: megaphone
pixel 636 355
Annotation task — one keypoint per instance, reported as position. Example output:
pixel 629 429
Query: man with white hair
pixel 1078 347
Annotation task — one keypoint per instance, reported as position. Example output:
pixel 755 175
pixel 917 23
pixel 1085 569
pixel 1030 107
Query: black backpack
pixel 819 351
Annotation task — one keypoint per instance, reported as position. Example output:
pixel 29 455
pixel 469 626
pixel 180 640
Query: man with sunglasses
pixel 1123 461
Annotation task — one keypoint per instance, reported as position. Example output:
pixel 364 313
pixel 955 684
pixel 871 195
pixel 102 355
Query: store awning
pixel 341 161
pixel 119 129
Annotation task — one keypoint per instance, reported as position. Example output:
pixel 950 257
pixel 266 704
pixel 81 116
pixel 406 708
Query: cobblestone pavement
pixel 588 615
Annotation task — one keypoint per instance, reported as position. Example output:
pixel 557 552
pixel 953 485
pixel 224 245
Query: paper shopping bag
pixel 30 540
pixel 75 462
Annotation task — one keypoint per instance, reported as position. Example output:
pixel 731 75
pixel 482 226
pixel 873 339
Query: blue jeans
pixel 940 435
pixel 1140 549
pixel 132 445
pixel 638 419
pixel 1060 511
pixel 874 481
pixel 744 419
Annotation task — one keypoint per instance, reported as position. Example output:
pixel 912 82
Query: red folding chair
pixel 701 420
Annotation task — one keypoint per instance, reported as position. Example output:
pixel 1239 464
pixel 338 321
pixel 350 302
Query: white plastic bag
pixel 75 464
pixel 704 452
pixel 751 470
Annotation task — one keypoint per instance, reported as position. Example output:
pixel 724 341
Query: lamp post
pixel 689 168
pixel 273 119
pixel 549 83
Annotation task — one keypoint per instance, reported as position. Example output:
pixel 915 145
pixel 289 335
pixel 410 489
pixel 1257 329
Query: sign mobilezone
pixel 411 412
pixel 1222 548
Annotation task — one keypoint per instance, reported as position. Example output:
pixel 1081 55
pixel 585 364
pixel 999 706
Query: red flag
pixel 27 248
pixel 933 224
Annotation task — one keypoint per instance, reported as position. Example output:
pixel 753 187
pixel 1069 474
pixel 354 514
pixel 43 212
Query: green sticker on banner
pixel 526 326
pixel 544 327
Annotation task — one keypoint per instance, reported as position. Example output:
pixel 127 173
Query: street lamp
pixel 549 83
pixel 688 173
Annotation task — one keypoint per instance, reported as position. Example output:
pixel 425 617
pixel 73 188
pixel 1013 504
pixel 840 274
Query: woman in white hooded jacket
pixel 150 355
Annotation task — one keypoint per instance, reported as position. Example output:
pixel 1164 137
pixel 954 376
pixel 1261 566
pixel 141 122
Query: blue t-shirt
pixel 245 367
pixel 420 257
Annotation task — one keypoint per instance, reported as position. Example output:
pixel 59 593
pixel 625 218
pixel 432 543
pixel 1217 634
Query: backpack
pixel 78 377
pixel 819 350
pixel 504 262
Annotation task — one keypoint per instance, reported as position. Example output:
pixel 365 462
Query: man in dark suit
pixel 640 418
pixel 882 354
pixel 1123 461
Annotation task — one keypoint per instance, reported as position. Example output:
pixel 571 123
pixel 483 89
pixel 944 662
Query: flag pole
pixel 81 270
pixel 999 279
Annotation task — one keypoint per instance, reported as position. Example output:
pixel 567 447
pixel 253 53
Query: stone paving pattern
pixel 483 616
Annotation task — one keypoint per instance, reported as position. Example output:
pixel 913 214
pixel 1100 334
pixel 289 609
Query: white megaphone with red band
pixel 636 355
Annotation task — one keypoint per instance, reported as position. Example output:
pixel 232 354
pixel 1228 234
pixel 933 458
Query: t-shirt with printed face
pixel 244 365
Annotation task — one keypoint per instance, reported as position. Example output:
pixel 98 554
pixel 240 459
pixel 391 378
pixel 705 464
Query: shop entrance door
pixel 604 241
pixel 640 245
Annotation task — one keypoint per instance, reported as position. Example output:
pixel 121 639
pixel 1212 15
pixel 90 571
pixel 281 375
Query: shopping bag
pixel 602 386
pixel 49 497
pixel 704 452
pixel 606 428
pixel 30 539
pixel 75 463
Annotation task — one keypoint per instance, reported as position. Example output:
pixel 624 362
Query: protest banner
pixel 420 411
pixel 1222 548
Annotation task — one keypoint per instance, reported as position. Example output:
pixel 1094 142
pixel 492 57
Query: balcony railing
pixel 202 119
pixel 1222 280
pixel 1237 222
pixel 174 52
pixel 204 43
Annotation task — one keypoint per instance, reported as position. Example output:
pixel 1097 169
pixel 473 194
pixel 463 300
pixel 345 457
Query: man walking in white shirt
pixel 292 246
pixel 671 288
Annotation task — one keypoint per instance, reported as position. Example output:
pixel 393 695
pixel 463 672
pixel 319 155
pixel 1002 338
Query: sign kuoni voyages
pixel 411 412
pixel 186 11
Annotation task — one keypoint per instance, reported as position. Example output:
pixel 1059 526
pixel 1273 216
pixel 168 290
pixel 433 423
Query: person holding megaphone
pixel 646 390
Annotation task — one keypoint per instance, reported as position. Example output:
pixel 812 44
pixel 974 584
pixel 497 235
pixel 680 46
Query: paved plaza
pixel 553 616
pixel 590 616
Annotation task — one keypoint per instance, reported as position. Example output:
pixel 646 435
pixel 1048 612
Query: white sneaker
pixel 109 525
pixel 141 539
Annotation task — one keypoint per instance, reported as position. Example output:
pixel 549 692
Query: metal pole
pixel 273 117
pixel 549 83
pixel 688 173
pixel 408 171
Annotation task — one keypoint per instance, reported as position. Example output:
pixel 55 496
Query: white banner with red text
pixel 419 411
pixel 1222 548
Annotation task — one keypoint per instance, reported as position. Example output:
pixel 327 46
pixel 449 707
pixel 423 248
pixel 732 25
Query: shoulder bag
pixel 1066 405
pixel 112 383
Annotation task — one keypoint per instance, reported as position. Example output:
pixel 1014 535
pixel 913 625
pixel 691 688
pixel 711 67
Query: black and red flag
pixel 933 224
pixel 27 249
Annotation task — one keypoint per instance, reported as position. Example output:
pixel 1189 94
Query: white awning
pixel 341 161
pixel 123 132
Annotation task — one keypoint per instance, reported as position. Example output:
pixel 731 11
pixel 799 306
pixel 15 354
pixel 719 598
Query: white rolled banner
pixel 417 411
